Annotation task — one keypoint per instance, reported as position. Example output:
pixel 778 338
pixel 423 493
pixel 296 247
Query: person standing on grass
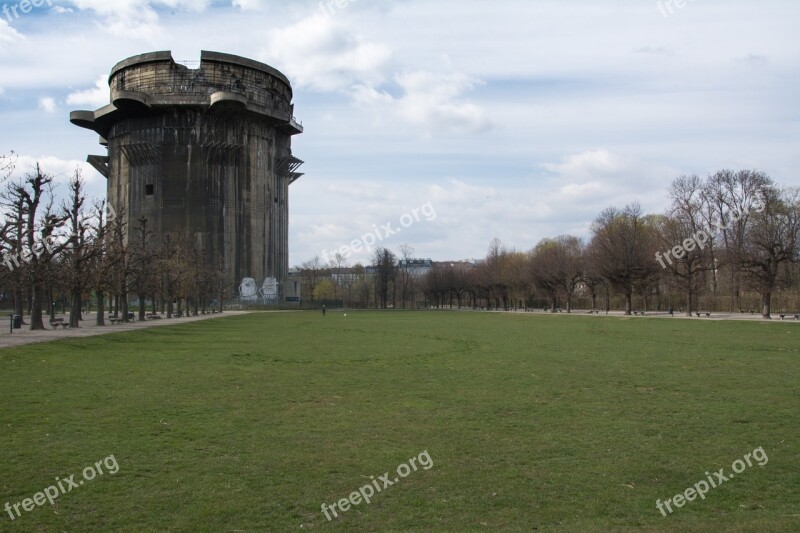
pixel 323 310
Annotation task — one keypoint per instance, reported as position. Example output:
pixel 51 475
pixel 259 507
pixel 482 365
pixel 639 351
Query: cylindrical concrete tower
pixel 203 153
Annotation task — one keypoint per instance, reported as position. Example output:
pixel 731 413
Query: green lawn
pixel 251 423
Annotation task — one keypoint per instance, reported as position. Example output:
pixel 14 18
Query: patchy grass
pixel 532 422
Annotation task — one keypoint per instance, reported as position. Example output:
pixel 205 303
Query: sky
pixel 454 122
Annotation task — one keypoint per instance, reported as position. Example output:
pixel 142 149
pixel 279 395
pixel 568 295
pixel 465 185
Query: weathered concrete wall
pixel 204 154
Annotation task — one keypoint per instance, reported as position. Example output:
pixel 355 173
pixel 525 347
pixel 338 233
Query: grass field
pixel 531 422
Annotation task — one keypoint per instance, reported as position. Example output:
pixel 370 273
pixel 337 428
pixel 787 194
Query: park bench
pixel 114 320
pixel 55 322
pixel 153 317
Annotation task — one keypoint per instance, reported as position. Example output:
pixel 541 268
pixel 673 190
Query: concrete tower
pixel 203 153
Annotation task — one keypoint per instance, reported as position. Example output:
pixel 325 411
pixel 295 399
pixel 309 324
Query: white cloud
pixel 430 101
pixel 95 97
pixel 251 5
pixel 435 99
pixel 135 17
pixel 47 104
pixel 754 60
pixel 7 33
pixel 600 178
pixel 62 169
pixel 588 165
pixel 321 53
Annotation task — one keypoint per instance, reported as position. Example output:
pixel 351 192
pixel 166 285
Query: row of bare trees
pixel 78 252
pixel 730 234
pixel 724 240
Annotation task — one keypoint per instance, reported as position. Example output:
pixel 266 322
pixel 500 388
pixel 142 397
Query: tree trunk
pixel 628 301
pixel 689 301
pixel 142 309
pixel 123 304
pixel 19 299
pixel 101 308
pixel 75 308
pixel 37 322
pixel 766 300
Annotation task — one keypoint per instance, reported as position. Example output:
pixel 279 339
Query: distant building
pixel 416 268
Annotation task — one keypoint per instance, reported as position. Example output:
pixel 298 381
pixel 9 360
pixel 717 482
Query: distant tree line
pixel 729 242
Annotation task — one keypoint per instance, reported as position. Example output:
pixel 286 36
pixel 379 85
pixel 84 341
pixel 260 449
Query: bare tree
pixel 80 251
pixel 102 265
pixel 13 236
pixel 40 226
pixel 687 239
pixel 310 272
pixel 545 272
pixel 7 164
pixel 772 241
pixel 337 265
pixel 494 274
pixel 730 197
pixel 558 265
pixel 361 285
pixel 174 269
pixel 622 250
pixel 405 278
pixel 142 265
pixel 120 262
pixel 384 261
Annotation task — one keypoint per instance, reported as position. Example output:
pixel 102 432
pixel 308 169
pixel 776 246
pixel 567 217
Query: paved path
pixel 89 329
